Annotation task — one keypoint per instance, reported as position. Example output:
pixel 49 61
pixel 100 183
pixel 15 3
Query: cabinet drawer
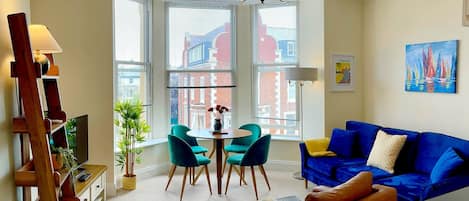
pixel 85 196
pixel 97 187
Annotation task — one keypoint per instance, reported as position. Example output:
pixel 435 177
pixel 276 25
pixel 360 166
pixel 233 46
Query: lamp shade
pixel 42 40
pixel 301 74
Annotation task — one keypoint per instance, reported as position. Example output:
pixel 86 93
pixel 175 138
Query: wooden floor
pixel 282 183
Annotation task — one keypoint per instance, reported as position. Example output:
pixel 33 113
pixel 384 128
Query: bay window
pixel 275 39
pixel 199 63
pixel 132 64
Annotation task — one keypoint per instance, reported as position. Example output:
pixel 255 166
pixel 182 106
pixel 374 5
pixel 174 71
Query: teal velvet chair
pixel 256 155
pixel 181 132
pixel 180 154
pixel 241 145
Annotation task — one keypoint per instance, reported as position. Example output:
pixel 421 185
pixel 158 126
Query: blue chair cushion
pixel 236 148
pixel 365 137
pixel 199 149
pixel 447 163
pixel 202 160
pixel 342 142
pixel 411 187
pixel 328 165
pixel 345 173
pixel 235 159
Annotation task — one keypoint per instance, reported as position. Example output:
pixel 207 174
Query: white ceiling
pixel 228 2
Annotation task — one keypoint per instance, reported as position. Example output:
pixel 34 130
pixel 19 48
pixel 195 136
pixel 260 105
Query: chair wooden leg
pixel 183 183
pixel 241 175
pixel 254 181
pixel 190 176
pixel 193 175
pixel 306 183
pixel 208 178
pixel 171 174
pixel 261 167
pixel 224 163
pixel 198 174
pixel 228 179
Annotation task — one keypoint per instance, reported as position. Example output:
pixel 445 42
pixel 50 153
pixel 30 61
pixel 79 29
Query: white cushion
pixel 385 151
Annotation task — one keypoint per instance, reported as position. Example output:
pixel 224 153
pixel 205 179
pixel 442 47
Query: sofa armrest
pixel 304 154
pixel 381 193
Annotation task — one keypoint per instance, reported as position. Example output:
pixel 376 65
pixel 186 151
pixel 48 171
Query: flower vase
pixel 217 126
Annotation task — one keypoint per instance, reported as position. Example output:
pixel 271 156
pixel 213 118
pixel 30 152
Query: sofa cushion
pixel 408 152
pixel 385 151
pixel 447 164
pixel 342 142
pixel 365 136
pixel 432 145
pixel 328 165
pixel 412 186
pixel 346 172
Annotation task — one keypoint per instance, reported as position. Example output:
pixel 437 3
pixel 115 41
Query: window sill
pixel 148 143
pixel 286 138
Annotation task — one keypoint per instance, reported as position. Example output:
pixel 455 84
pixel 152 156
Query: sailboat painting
pixel 431 67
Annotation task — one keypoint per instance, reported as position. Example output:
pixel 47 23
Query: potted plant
pixel 62 158
pixel 132 130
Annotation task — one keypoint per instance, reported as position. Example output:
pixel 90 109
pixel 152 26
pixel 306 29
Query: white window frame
pixel 231 70
pixel 276 67
pixel 146 63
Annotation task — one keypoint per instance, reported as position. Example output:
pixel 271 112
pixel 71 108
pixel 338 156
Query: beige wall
pixel 389 26
pixel 343 35
pixel 8 142
pixel 84 31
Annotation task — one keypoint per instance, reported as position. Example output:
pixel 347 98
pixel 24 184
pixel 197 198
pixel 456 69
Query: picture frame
pixel 342 72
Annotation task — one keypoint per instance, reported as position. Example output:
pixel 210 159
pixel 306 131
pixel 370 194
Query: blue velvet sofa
pixel 412 169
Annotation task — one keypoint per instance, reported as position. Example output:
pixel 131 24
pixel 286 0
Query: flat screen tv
pixel 77 137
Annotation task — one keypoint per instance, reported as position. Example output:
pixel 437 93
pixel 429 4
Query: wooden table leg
pixel 218 148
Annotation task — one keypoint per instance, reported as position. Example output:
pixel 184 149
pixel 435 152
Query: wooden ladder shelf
pixel 35 129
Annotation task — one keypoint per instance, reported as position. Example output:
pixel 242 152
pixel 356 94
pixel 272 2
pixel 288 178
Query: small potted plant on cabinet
pixel 62 158
pixel 132 130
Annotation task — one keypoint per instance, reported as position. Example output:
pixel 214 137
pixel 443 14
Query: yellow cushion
pixel 385 151
pixel 318 147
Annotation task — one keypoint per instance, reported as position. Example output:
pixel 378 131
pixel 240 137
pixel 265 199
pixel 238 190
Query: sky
pixel 129 29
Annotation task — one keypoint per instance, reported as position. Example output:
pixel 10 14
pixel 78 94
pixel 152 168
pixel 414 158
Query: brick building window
pixel 275 39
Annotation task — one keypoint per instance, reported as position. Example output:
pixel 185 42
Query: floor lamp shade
pixel 301 74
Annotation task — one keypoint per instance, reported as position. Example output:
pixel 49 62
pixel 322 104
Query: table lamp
pixel 42 42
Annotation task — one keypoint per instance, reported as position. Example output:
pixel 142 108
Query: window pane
pixel 276 35
pixel 199 38
pixel 193 112
pixel 276 102
pixel 205 79
pixel 129 30
pixel 280 127
pixel 132 84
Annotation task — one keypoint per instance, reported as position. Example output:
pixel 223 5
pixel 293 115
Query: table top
pixel 208 134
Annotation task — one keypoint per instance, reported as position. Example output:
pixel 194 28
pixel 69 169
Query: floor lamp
pixel 301 75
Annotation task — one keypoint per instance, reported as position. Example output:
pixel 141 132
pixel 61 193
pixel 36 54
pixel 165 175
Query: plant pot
pixel 129 183
pixel 57 161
